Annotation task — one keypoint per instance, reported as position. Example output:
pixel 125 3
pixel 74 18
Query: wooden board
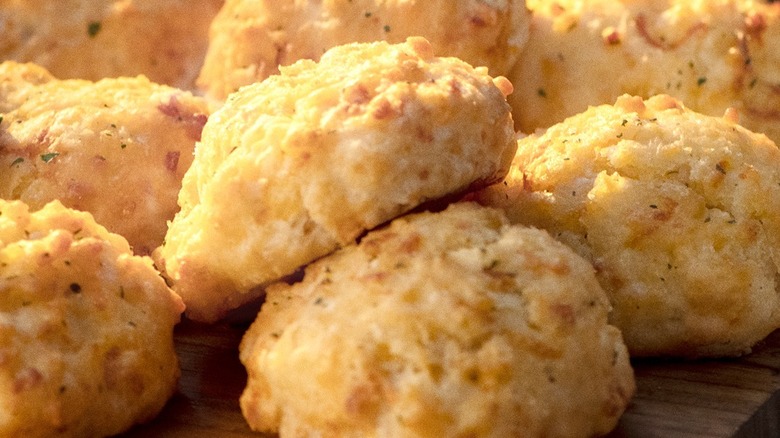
pixel 714 398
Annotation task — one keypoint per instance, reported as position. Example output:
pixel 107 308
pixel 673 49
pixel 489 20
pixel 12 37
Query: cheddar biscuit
pixel 249 39
pixel 441 324
pixel 86 327
pixel 293 167
pixel 165 40
pixel 679 212
pixel 117 148
pixel 712 55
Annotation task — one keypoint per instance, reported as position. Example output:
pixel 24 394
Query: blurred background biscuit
pixel 712 55
pixel 249 39
pixel 165 40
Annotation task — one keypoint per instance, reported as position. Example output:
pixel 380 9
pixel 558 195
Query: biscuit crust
pixel 441 324
pixel 86 327
pixel 677 211
pixel 293 167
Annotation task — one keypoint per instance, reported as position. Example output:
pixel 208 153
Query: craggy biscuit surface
pixel 165 40
pixel 86 328
pixel 679 212
pixel 249 39
pixel 306 161
pixel 441 324
pixel 117 148
pixel 711 54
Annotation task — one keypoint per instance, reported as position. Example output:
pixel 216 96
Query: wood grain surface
pixel 713 398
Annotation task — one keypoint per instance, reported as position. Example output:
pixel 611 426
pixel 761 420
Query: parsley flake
pixel 93 28
pixel 48 157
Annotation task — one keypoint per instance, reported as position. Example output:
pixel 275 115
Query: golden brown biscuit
pixel 165 40
pixel 679 212
pixel 249 39
pixel 442 324
pixel 86 328
pixel 117 148
pixel 303 162
pixel 710 54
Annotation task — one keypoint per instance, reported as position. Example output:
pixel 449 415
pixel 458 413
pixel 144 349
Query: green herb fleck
pixel 48 157
pixel 653 206
pixel 123 145
pixel 701 81
pixel 541 93
pixel 93 28
pixel 17 161
pixel 387 28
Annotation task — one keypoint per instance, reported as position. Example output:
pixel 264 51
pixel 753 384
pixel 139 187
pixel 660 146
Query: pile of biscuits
pixel 460 218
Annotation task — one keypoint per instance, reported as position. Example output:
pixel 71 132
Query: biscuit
pixel 712 55
pixel 249 39
pixel 86 327
pixel 441 324
pixel 678 211
pixel 165 40
pixel 117 148
pixel 295 166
